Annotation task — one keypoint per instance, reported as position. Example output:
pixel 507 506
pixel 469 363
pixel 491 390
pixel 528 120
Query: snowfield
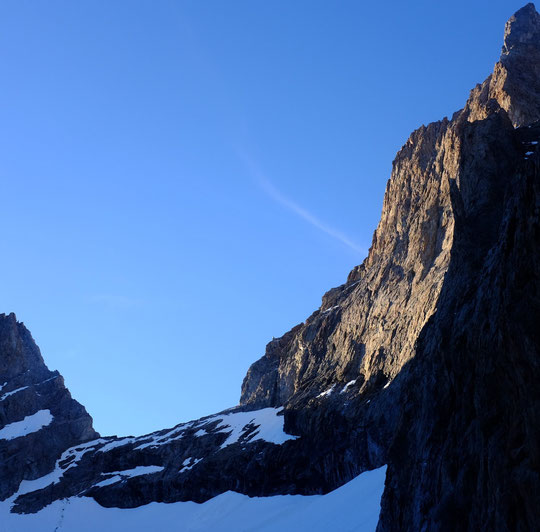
pixel 28 425
pixel 352 507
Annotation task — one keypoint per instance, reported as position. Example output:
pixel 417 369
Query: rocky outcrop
pixel 437 329
pixel 367 328
pixel 514 85
pixel 38 417
pixel 426 359
pixel 466 451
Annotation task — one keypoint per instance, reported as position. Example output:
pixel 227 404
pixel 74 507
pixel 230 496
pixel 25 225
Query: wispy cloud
pixel 270 189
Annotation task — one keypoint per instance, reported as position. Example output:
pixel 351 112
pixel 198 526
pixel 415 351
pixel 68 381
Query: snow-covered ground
pixel 353 507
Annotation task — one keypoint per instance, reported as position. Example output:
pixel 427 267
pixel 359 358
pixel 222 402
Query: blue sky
pixel 183 180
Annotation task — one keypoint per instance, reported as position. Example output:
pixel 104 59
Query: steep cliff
pixel 367 328
pixel 426 360
pixel 39 419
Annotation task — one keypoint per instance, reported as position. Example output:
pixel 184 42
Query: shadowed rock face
pixel 427 359
pixel 465 454
pixel 29 388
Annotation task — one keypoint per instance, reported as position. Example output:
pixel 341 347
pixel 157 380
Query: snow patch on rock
pixel 348 385
pixel 69 459
pixel 264 424
pixel 29 424
pixel 328 392
pixel 189 463
pixel 119 476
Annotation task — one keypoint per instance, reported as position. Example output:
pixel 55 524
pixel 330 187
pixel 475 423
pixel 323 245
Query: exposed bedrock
pixel 426 359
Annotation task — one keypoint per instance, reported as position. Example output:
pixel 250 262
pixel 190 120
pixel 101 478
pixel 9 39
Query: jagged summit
pixel 515 83
pixel 523 28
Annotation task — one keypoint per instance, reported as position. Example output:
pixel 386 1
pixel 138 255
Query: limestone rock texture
pixel 514 84
pixel 367 328
pixel 438 328
pixel 426 359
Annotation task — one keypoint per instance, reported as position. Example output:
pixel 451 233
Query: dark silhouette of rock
pixel 32 397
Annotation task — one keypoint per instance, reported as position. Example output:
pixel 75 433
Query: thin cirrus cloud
pixel 271 191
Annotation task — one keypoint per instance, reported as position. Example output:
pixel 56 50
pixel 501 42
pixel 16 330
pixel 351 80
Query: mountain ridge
pixel 424 361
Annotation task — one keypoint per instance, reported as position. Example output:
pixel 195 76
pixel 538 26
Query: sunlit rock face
pixel 431 346
pixel 514 84
pixel 426 360
pixel 366 329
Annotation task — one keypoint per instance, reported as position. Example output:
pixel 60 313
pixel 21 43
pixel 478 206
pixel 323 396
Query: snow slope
pixel 28 425
pixel 352 507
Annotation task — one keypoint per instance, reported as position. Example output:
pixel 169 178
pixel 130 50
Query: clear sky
pixel 183 180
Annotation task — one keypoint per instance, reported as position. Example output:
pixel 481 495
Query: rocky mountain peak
pixel 38 417
pixel 425 361
pixel 515 83
pixel 366 330
pixel 523 28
